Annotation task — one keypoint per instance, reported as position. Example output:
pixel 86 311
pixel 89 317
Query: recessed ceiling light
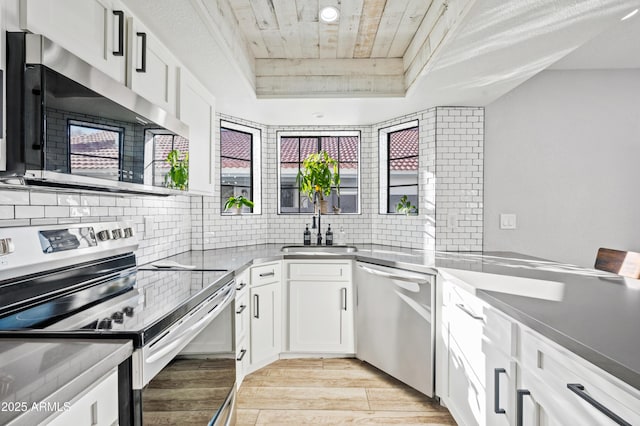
pixel 329 14
pixel 629 15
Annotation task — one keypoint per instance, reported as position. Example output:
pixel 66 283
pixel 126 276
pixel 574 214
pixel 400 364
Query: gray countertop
pixel 594 314
pixel 51 373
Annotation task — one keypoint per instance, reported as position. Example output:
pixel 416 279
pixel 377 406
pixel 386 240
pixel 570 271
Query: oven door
pixel 153 357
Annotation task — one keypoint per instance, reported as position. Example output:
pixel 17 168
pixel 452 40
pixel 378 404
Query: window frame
pixel 256 143
pixel 320 134
pixel 384 134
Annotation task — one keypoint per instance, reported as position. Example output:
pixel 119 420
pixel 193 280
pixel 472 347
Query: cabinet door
pixel 98 406
pixel 266 325
pixel 321 316
pixel 197 110
pixel 152 72
pixel 88 28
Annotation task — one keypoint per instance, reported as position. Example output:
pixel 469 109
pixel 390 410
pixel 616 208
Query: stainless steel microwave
pixel 70 125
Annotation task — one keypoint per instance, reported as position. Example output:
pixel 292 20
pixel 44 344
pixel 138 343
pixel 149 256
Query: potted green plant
pixel 319 174
pixel 404 206
pixel 178 175
pixel 235 203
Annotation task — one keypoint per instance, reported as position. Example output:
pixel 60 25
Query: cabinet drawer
pixel 242 360
pixel 320 271
pixel 475 325
pixel 558 368
pixel 265 274
pixel 242 315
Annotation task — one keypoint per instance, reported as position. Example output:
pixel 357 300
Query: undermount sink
pixel 318 249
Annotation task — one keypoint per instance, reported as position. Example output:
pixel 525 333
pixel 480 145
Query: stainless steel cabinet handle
pixel 468 312
pixel 519 405
pixel 256 306
pixel 496 390
pixel 267 274
pixel 243 352
pixel 578 389
pixel 143 54
pixel 240 309
pixel 344 298
pixel 120 50
pixel 241 286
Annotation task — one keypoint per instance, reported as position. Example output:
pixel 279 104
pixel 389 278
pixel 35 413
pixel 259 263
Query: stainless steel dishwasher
pixel 395 323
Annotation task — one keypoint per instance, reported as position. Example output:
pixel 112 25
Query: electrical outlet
pixel 508 221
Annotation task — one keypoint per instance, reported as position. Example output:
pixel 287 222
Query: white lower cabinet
pixel 265 310
pixel 321 317
pixel 480 371
pixel 558 388
pixel 500 372
pixel 97 406
pixel 242 325
pixel 321 309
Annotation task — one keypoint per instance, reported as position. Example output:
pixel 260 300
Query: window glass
pixel 402 167
pixel 293 151
pixel 95 150
pixel 236 171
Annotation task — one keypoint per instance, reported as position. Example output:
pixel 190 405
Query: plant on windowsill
pixel 178 175
pixel 405 207
pixel 319 174
pixel 235 204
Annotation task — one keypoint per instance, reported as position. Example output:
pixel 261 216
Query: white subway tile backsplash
pixel 9 197
pixel 28 212
pixel 44 198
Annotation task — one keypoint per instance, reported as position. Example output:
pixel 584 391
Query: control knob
pixel 128 232
pixel 105 324
pixel 128 311
pixel 104 235
pixel 117 233
pixel 117 317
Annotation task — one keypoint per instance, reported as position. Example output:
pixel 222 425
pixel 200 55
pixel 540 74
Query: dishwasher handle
pixel 394 276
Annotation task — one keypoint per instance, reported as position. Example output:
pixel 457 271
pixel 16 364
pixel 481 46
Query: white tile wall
pixel 172 215
pixel 450 198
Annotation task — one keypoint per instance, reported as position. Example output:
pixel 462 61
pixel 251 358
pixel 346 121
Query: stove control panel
pixel 32 249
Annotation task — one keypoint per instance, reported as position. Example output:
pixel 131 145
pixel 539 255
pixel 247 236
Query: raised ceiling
pixel 495 46
pixel 375 48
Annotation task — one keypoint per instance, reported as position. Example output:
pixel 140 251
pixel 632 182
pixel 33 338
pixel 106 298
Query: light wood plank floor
pixel 332 391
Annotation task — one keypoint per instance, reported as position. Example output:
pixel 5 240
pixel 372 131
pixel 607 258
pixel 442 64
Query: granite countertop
pixel 38 376
pixel 592 313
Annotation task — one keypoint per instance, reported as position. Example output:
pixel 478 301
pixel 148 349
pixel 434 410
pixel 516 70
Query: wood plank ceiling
pixel 375 48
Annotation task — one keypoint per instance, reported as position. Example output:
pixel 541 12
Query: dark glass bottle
pixel 329 236
pixel 307 236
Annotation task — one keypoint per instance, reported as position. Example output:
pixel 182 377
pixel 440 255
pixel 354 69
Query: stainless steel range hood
pixel 49 88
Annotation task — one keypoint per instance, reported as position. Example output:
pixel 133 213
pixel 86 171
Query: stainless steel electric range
pixel 81 281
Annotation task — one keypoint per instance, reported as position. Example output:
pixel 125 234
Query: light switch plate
pixel 508 221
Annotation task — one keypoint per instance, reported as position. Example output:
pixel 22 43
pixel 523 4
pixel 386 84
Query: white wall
pixel 562 152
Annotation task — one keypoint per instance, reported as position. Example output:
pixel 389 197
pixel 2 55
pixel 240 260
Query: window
pixel 399 157
pixel 294 147
pixel 239 159
pixel 95 150
pixel 158 146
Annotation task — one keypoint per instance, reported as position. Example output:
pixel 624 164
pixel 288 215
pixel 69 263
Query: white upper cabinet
pixel 93 30
pixel 152 70
pixel 196 108
pixel 106 35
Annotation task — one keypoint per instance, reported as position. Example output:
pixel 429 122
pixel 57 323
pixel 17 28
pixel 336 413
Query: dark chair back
pixel 625 263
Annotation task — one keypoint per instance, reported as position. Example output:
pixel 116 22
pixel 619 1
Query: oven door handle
pixel 188 333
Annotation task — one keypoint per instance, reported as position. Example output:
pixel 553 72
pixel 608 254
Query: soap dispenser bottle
pixel 307 236
pixel 329 236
